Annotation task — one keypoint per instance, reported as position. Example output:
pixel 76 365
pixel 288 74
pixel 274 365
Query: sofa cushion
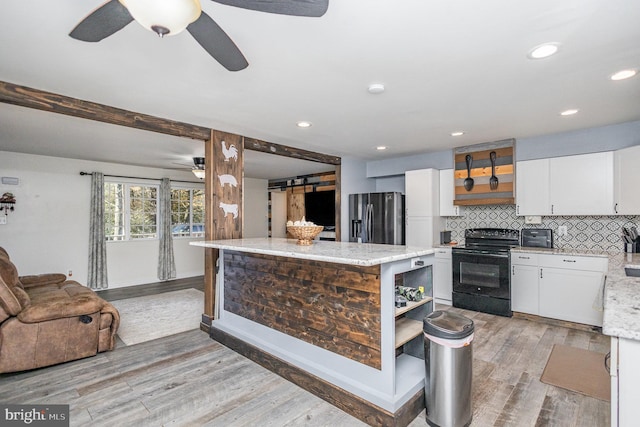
pixel 9 272
pixel 10 304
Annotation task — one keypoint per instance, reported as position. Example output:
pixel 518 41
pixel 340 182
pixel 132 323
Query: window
pixel 131 211
pixel 187 212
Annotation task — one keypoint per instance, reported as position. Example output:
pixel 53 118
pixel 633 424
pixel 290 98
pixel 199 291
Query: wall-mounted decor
pixel 484 173
pixel 7 202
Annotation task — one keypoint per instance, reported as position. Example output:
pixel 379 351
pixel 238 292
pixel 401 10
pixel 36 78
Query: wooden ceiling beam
pixel 47 101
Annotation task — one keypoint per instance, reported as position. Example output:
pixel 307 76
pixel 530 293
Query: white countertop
pixel 365 254
pixel 622 298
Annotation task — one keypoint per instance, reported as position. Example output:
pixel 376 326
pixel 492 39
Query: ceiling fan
pixel 169 17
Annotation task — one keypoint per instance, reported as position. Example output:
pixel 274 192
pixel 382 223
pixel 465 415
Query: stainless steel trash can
pixel 448 362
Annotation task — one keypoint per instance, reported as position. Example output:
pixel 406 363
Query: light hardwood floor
pixel 190 380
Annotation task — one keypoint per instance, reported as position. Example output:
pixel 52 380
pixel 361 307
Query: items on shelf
pixel 411 294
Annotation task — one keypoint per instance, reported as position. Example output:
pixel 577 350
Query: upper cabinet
pixel 582 185
pixel 447 208
pixel 627 180
pixel 421 192
pixel 569 185
pixel 532 187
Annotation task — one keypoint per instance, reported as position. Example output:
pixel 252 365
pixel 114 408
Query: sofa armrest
pixel 42 279
pixel 56 309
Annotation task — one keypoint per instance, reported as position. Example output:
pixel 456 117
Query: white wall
pixel 256 208
pixel 49 229
pixel 353 180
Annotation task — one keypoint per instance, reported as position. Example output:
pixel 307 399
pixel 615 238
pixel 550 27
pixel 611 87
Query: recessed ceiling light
pixel 569 112
pixel 457 133
pixel 623 74
pixel 543 51
pixel 381 148
pixel 376 88
pixel 303 124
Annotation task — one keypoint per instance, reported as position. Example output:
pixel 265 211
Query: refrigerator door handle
pixel 369 223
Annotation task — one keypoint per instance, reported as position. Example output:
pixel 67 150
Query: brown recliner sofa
pixel 46 319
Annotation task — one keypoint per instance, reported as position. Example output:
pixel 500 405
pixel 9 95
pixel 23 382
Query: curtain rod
pixel 139 177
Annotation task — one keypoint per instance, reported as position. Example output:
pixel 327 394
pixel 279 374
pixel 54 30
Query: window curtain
pixel 166 262
pixel 97 272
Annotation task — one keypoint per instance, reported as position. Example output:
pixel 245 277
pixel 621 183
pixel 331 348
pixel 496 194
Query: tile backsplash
pixel 600 233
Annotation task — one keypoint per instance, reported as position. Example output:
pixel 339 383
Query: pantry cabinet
pixel 421 192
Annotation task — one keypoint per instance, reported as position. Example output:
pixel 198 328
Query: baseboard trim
pixel 338 397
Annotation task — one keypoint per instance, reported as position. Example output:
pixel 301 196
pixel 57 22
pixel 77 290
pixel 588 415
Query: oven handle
pixel 485 254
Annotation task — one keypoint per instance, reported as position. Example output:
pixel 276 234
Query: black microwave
pixel 537 237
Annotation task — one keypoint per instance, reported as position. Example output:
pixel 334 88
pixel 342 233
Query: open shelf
pixel 406 330
pixel 411 305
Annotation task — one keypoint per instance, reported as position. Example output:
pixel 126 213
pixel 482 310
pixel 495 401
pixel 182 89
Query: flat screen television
pixel 320 208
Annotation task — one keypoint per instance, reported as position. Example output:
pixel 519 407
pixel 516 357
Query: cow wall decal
pixel 229 209
pixel 228 153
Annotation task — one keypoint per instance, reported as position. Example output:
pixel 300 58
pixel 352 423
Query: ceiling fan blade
pixel 104 21
pixel 311 8
pixel 217 43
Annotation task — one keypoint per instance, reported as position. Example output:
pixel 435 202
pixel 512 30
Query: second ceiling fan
pixel 169 17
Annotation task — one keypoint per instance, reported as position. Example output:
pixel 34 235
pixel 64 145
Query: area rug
pixel 578 370
pixel 156 316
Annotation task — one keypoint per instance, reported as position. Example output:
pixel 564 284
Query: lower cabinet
pixel 625 382
pixel 558 286
pixel 442 276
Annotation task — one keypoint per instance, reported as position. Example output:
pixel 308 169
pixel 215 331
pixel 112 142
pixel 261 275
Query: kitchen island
pixel 323 316
pixel 622 323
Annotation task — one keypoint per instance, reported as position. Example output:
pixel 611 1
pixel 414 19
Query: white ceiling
pixel 447 66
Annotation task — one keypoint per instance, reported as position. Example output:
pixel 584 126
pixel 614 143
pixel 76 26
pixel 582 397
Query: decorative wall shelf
pixel 482 192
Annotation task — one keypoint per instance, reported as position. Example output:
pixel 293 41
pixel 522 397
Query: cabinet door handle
pixel 552 209
pixel 517 209
pixel 524 257
pixel 541 273
pixel 513 270
pixel 615 208
pixel 569 260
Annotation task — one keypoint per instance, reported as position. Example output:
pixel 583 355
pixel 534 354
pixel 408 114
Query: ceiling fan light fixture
pixel 164 17
pixel 199 173
pixel 623 74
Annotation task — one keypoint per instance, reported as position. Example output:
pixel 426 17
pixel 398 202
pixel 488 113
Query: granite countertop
pixel 557 251
pixel 622 298
pixel 365 254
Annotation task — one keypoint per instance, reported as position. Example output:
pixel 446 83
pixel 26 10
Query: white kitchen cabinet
pixel 582 185
pixel 447 195
pixel 422 188
pixel 568 287
pixel 532 187
pixel 423 231
pixel 627 176
pixel 625 382
pixel 524 283
pixel 442 276
pixel 557 286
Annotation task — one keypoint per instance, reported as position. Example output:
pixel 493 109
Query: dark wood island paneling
pixel 332 306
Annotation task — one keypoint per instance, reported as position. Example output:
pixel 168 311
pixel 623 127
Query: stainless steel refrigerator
pixel 376 218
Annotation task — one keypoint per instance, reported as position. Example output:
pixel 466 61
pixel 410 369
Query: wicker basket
pixel 304 233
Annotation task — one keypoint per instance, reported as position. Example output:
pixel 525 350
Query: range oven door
pixel 481 272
